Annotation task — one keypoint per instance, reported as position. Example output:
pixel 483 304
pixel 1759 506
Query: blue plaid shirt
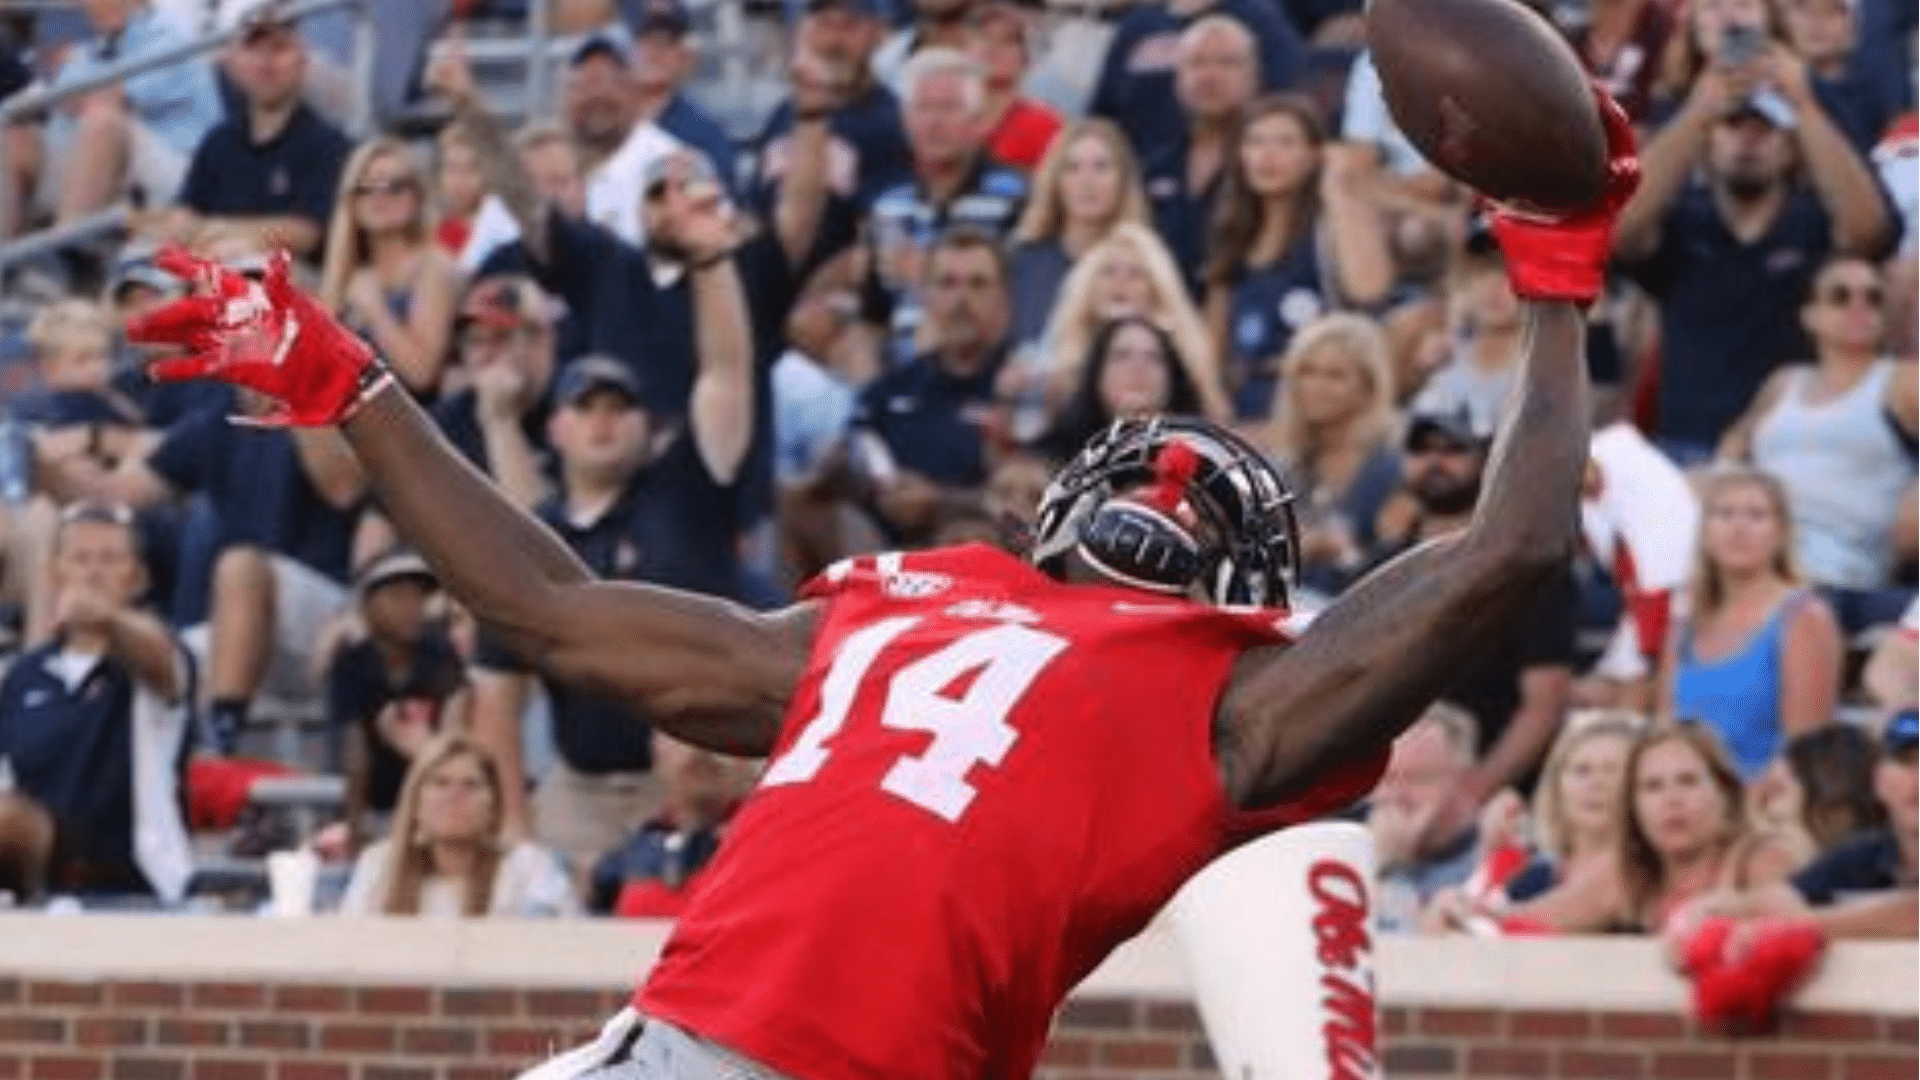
pixel 180 103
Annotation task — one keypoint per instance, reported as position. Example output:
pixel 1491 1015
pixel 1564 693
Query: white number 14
pixel 968 730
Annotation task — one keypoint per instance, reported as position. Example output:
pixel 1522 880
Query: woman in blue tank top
pixel 1295 234
pixel 1758 656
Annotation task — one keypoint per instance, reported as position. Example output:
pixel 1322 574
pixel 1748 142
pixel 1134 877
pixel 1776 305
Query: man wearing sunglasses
pixel 1518 684
pixel 1743 198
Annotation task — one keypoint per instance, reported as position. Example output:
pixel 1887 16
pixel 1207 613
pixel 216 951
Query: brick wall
pixel 72 1029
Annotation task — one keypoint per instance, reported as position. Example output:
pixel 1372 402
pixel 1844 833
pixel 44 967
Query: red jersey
pixel 987 781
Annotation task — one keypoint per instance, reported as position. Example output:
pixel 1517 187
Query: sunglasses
pixel 386 187
pixel 1842 295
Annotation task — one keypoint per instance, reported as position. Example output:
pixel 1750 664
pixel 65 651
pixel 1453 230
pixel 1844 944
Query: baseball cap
pixel 1457 425
pixel 263 19
pixel 1902 732
pixel 669 17
pixel 504 302
pixel 858 7
pixel 397 564
pixel 590 374
pixel 687 161
pixel 611 41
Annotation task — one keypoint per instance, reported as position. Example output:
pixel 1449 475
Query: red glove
pixel 1552 257
pixel 1741 976
pixel 264 336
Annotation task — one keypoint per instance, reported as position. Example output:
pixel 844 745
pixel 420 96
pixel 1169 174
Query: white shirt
pixel 529 884
pixel 613 196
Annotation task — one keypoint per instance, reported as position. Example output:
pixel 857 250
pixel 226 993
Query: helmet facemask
pixel 1118 506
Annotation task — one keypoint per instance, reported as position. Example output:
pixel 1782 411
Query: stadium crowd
pixel 925 281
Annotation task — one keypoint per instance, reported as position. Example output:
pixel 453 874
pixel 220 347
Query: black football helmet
pixel 1253 550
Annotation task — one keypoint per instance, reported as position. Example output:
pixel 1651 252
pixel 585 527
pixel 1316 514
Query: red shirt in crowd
pixel 987 781
pixel 1024 134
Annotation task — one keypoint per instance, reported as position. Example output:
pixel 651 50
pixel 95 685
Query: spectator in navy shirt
pixel 637 304
pixel 643 496
pixel 1136 88
pixel 1729 255
pixel 921 433
pixel 663 59
pixel 853 116
pixel 1218 76
pixel 504 333
pixel 287 501
pixel 266 175
pixel 1849 81
pixel 392 689
pixel 94 725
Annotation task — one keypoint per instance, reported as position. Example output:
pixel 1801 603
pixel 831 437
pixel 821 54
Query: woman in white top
pixel 1839 434
pixel 446 857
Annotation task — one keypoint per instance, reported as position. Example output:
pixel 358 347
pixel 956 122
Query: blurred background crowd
pixel 968 233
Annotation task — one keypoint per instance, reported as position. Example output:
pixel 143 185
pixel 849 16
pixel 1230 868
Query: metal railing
pixel 32 103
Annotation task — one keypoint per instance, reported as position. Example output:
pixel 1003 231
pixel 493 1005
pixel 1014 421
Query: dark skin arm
pixel 706 671
pixel 1373 661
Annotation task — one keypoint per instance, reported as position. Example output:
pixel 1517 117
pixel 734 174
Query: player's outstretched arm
pixel 1374 660
pixel 706 671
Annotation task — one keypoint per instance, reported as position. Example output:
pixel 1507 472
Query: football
pixel 1493 96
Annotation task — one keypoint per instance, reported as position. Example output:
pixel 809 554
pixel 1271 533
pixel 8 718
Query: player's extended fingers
pixel 202 275
pixel 188 323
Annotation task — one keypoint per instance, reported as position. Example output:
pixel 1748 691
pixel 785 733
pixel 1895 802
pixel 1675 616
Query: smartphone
pixel 1741 45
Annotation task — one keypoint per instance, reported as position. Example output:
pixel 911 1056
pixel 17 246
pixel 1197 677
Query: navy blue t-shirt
pixel 71 750
pixel 1729 311
pixel 1265 308
pixel 359 686
pixel 259 489
pixel 870 126
pixel 65 408
pixel 609 287
pixel 1867 863
pixel 296 172
pixel 458 417
pixel 1182 217
pixel 673 526
pixel 1136 81
pixel 931 421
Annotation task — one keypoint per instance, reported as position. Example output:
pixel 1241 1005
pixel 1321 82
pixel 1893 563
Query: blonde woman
pixel 383 272
pixel 1088 183
pixel 1757 656
pixel 1130 273
pixel 1333 431
pixel 446 856
pixel 1683 833
pixel 1575 818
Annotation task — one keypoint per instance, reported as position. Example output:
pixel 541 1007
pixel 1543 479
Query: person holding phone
pixel 1748 189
